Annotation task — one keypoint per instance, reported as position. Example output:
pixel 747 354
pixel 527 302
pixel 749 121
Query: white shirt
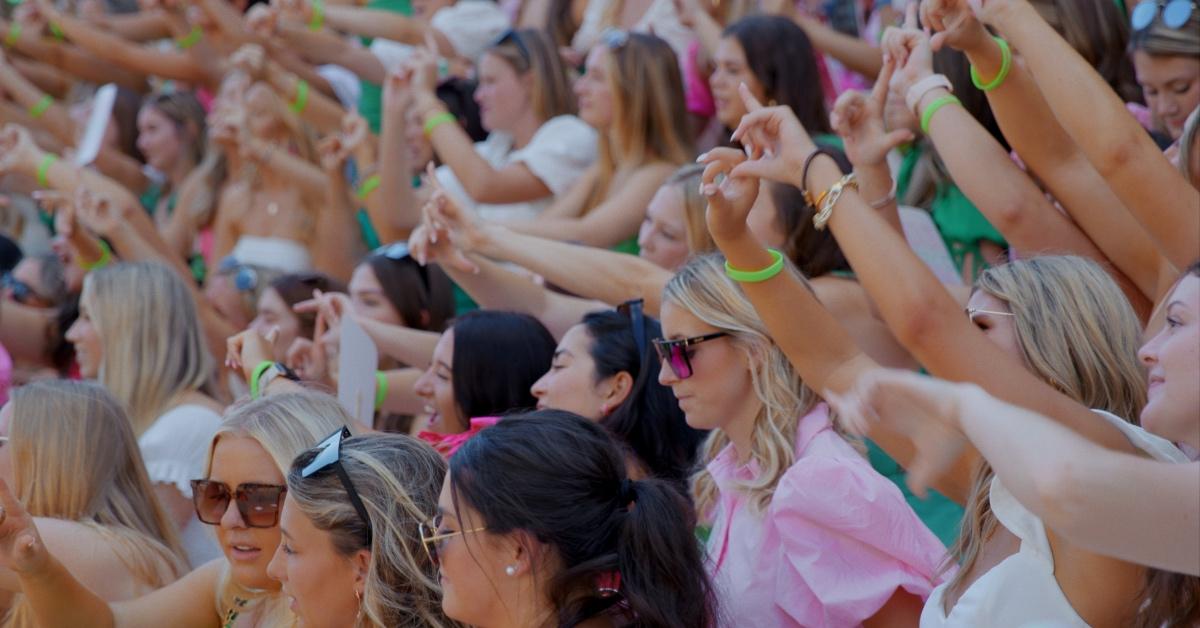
pixel 561 150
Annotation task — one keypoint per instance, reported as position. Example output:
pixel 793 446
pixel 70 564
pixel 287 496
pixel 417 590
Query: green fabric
pixel 629 246
pixel 463 302
pixel 938 513
pixel 830 141
pixel 370 100
pixel 150 197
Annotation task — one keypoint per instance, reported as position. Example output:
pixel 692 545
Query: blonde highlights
pixel 687 181
pixel 702 288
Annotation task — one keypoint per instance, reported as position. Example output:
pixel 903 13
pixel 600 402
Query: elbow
pixel 918 326
pixel 1010 214
pixel 1118 155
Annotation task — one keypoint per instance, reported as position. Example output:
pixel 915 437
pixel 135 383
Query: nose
pixel 538 390
pixel 666 377
pixel 275 568
pixel 422 387
pixel 232 517
pixel 1148 354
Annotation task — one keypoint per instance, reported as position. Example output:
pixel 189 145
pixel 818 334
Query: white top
pixel 471 26
pixel 557 154
pixel 282 254
pixel 1021 590
pixel 175 450
pixel 660 20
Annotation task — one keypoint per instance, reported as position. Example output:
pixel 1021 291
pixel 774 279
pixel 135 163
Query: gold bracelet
pixel 830 198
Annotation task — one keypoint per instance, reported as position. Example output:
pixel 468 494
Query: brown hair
pixel 187 114
pixel 1099 31
pixel 531 51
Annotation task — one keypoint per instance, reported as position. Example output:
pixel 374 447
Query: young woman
pixel 1166 56
pixel 275 309
pixel 483 366
pixel 71 458
pixel 780 478
pixel 604 370
pixel 241 493
pixel 538 524
pixel 172 136
pixel 138 334
pixel 351 550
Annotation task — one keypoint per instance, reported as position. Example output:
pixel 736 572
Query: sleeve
pixel 175 448
pixel 471 26
pixel 560 152
pixel 848 541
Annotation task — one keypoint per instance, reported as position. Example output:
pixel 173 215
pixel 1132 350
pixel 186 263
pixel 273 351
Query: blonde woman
pixel 242 492
pixel 804 531
pixel 367 523
pixel 138 334
pixel 71 457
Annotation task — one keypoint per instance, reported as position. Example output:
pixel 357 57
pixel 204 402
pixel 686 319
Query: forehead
pixel 444 351
pixel 242 460
pixel 983 300
pixel 678 322
pixel 577 340
pixel 667 203
pixel 1164 68
pixel 1187 293
pixel 597 59
pixel 730 50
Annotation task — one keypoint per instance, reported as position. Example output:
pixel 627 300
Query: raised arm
pixel 70 59
pixel 40 105
pixel 1117 146
pixel 395 167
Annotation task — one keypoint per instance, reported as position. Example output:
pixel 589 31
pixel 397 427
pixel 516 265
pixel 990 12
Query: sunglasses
pixel 398 252
pixel 245 278
pixel 632 310
pixel 432 537
pixel 21 292
pixel 259 504
pixel 676 353
pixel 1175 13
pixel 614 38
pixel 330 455
pixel 515 37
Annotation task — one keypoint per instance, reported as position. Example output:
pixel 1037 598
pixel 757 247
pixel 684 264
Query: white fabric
pixel 660 19
pixel 288 256
pixel 175 450
pixel 557 154
pixel 344 83
pixel 471 26
pixel 1021 590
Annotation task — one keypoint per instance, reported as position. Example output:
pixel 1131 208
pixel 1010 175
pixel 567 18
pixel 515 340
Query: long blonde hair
pixel 285 425
pixel 1077 333
pixel 398 479
pixel 687 180
pixel 75 458
pixel 701 288
pixel 153 348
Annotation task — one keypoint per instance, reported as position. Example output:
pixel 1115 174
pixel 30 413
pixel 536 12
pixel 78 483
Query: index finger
pixel 879 92
pixel 910 16
pixel 748 99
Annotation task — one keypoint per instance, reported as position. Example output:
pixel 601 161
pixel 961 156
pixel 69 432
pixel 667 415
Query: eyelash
pixel 1173 322
pixel 286 549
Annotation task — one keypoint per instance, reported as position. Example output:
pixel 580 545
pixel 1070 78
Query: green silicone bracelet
pixel 38 109
pixel 301 103
pixel 933 108
pixel 318 15
pixel 43 171
pixel 757 276
pixel 13 36
pixel 1005 67
pixel 381 389
pixel 256 375
pixel 189 40
pixel 105 258
pixel 370 185
pixel 436 120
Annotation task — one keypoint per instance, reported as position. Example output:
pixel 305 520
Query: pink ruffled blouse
pixel 832 547
pixel 448 444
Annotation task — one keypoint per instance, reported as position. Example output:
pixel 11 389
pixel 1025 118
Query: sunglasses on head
pixel 632 310
pixel 614 38
pixel 245 278
pixel 330 456
pixel 1175 13
pixel 676 353
pixel 259 504
pixel 432 537
pixel 21 292
pixel 515 37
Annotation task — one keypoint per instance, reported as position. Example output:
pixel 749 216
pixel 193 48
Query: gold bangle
pixel 830 198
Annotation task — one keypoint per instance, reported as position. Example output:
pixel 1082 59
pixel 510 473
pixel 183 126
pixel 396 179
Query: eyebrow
pixel 284 531
pixel 444 365
pixel 559 352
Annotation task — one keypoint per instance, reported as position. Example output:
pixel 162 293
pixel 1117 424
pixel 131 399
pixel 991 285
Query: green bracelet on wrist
pixel 191 39
pixel 370 185
pixel 106 256
pixel 301 103
pixel 1005 67
pixel 757 276
pixel 43 171
pixel 57 31
pixel 381 389
pixel 38 109
pixel 436 120
pixel 318 15
pixel 933 108
pixel 13 36
pixel 256 375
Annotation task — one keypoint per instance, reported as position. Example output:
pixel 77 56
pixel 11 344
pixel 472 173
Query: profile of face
pixel 26 284
pixel 420 151
pixel 503 94
pixel 368 299
pixel 322 587
pixel 6 462
pixel 239 460
pixel 592 90
pixel 273 312
pixel 436 388
pixel 89 346
pixel 1172 359
pixel 263 115
pixel 221 293
pixel 159 139
pixel 992 316
pixel 730 70
pixel 662 238
pixel 720 388
pixel 1171 85
pixel 571 384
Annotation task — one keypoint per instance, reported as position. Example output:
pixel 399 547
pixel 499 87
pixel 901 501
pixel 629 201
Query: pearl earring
pixel 511 570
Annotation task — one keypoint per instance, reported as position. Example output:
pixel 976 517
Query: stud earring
pixel 511 570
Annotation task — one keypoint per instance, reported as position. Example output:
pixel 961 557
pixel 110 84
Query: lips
pixel 244 553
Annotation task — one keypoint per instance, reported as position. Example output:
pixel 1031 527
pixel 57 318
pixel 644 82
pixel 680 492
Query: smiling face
pixel 570 384
pixel 1171 85
pixel 159 139
pixel 662 238
pixel 731 70
pixel 503 95
pixel 1172 358
pixel 593 91
pixel 436 387
pixel 321 585
pixel 241 460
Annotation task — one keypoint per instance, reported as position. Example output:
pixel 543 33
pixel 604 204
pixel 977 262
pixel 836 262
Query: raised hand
pixel 297 9
pixel 17 148
pixel 858 118
pixel 397 92
pixel 910 48
pixel 248 349
pixel 955 23
pixel 924 409
pixel 21 547
pixel 775 141
pixel 729 198
pixel 261 20
pixel 251 59
pixel 307 357
pixel 100 214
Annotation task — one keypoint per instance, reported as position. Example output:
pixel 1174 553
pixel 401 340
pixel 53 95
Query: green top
pixel 938 513
pixel 370 99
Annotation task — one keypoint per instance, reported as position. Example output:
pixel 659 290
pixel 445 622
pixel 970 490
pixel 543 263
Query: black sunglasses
pixel 676 353
pixel 632 310
pixel 259 504
pixel 330 455
pixel 1175 13
pixel 515 37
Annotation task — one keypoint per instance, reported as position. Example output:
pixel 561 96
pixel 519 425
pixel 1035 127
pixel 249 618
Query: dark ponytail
pixel 626 547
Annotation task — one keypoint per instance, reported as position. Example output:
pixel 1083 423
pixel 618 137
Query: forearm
pixel 170 65
pixel 40 105
pixel 58 600
pixel 289 61
pixel 375 23
pixel 337 245
pixel 318 110
pixel 325 47
pixel 498 288
pixel 47 78
pixel 401 399
pixel 143 26
pixel 853 52
pixel 396 176
pixel 411 347
pixel 592 229
pixel 876 186
pixel 78 62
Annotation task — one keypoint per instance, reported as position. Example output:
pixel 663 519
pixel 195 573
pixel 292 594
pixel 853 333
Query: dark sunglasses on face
pixel 632 310
pixel 21 292
pixel 259 504
pixel 1175 13
pixel 676 353
pixel 330 456
pixel 432 537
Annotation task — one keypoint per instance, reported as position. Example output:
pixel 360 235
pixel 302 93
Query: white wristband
pixel 918 90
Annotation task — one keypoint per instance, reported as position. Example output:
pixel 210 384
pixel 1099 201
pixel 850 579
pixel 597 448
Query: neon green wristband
pixel 381 389
pixel 318 15
pixel 1005 67
pixel 38 109
pixel 189 40
pixel 756 276
pixel 933 108
pixel 57 31
pixel 256 375
pixel 106 256
pixel 370 185
pixel 13 36
pixel 436 120
pixel 43 171
pixel 301 103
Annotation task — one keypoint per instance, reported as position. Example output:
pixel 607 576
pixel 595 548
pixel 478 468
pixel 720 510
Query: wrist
pixel 929 97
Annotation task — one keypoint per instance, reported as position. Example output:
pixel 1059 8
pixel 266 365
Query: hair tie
pixel 628 492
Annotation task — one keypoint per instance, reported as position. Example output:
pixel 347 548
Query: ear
pixel 520 551
pixel 361 563
pixel 619 386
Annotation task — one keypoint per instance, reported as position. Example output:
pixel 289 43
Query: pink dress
pixel 832 547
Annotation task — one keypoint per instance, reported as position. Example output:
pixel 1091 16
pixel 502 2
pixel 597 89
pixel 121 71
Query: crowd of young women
pixel 686 315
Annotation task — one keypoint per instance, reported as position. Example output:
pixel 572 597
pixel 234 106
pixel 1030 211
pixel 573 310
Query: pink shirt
pixel 833 546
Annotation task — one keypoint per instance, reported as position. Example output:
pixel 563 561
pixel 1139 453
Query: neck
pixel 741 429
pixel 183 167
pixel 522 132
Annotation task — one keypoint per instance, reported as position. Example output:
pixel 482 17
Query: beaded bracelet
pixel 1005 67
pixel 301 103
pixel 757 276
pixel 933 108
pixel 38 109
